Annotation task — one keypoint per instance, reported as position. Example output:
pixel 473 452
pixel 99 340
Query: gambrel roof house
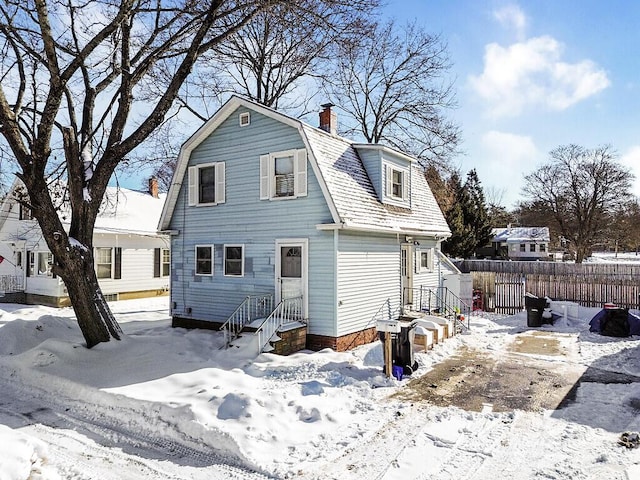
pixel 132 258
pixel 263 206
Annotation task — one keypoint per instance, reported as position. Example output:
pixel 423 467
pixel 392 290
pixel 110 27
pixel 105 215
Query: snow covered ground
pixel 170 403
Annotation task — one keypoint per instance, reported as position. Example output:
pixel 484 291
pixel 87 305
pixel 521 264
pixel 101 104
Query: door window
pixel 291 262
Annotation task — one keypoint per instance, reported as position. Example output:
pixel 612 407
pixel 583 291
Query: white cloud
pixel 531 73
pixel 512 17
pixel 631 159
pixel 507 157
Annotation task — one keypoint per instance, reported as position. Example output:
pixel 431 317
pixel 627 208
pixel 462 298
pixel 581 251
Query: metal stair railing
pixel 251 308
pixel 386 312
pixel 288 310
pixel 442 301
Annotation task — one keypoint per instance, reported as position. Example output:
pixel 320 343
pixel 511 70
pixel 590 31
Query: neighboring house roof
pixel 122 211
pixel 520 234
pixel 344 181
pixel 129 211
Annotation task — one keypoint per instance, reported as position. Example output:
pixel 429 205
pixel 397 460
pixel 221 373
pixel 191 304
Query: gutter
pixel 438 235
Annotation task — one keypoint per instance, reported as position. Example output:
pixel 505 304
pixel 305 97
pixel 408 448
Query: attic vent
pixel 245 119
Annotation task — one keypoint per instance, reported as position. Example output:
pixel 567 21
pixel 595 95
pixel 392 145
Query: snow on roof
pixel 355 197
pixel 520 234
pixel 122 211
pixel 129 211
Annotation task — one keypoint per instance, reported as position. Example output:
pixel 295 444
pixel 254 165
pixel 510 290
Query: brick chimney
pixel 328 119
pixel 153 187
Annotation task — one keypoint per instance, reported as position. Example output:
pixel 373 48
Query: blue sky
pixel 531 76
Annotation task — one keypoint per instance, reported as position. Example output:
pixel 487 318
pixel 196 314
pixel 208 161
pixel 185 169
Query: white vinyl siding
pixel 207 184
pixel 283 174
pixel 368 281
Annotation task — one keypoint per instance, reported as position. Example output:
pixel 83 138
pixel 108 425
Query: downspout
pixel 25 265
pixel 336 238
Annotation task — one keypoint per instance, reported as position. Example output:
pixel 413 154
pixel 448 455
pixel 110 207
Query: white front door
pixel 406 273
pixel 291 270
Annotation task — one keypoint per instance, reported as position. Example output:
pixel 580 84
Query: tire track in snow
pixel 149 440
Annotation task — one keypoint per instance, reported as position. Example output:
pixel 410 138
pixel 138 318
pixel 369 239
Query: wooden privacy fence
pixel 504 283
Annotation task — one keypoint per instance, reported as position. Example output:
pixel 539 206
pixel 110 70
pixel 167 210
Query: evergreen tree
pixel 476 211
pixel 468 217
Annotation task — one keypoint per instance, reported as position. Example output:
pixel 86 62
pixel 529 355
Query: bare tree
pixel 73 74
pixel 271 60
pixel 580 189
pixel 392 85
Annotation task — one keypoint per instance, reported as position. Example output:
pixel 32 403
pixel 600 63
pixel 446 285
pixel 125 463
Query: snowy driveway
pixel 535 371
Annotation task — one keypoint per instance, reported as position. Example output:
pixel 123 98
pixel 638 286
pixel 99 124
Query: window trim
pixel 97 262
pixel 390 171
pixel 219 193
pixel 164 263
pixel 224 264
pixel 159 262
pixel 211 249
pixel 429 252
pixel 244 119
pixel 268 176
pixel 24 212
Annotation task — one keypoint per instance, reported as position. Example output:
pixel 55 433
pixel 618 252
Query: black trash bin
pixel 535 308
pixel 402 344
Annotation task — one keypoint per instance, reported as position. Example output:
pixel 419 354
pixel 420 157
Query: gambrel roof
pixel 347 188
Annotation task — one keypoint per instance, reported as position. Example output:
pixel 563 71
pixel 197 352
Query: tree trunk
pixel 581 253
pixel 94 316
pixel 74 261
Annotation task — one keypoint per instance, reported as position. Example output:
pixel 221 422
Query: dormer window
pixel 397 184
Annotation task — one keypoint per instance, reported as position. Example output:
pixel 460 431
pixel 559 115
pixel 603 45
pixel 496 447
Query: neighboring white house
pixel 132 259
pixel 521 243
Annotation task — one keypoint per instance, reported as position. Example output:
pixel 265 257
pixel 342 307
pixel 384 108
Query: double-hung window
pixel 204 259
pixel 108 262
pixel 283 174
pixel 161 262
pixel 397 184
pixel 233 260
pixel 207 184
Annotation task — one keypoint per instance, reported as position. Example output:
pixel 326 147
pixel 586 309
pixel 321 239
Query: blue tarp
pixel 617 322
